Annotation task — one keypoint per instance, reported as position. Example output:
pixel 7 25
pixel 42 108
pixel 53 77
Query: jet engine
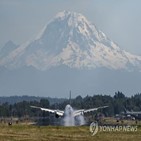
pixel 56 115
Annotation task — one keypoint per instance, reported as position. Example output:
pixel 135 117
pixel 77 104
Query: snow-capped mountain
pixel 70 39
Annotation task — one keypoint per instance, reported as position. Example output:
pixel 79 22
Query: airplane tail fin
pixel 125 110
pixel 70 98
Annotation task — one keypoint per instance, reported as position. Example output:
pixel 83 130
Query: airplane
pixel 69 110
pixel 134 114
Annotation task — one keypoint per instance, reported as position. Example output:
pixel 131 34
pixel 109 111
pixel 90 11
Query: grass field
pixel 58 133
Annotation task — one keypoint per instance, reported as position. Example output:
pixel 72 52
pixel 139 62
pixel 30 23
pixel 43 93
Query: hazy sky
pixel 22 20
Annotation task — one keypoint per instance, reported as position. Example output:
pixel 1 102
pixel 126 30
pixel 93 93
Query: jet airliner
pixel 134 114
pixel 69 110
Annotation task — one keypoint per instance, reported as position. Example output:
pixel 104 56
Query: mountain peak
pixel 72 18
pixel 10 43
pixel 66 14
pixel 63 14
pixel 7 48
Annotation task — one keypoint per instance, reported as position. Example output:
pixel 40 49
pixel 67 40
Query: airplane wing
pixel 58 112
pixel 83 111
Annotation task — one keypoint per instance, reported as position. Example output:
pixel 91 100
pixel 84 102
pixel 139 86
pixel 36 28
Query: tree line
pixel 117 104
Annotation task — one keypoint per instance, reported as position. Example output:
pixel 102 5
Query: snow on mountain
pixel 70 39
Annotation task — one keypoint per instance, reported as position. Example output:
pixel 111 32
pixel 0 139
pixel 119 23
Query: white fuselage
pixel 68 110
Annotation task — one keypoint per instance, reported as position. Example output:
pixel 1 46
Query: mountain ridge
pixel 17 99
